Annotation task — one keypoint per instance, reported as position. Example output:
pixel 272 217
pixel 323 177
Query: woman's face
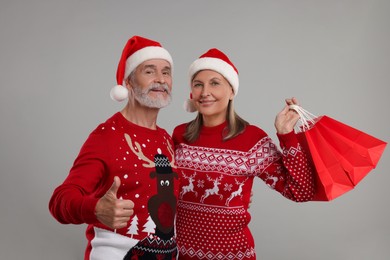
pixel 211 94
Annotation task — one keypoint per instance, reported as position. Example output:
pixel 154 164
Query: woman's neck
pixel 210 121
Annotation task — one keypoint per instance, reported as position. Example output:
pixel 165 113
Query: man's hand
pixel 111 211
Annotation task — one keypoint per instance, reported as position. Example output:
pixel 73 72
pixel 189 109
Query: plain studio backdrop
pixel 58 61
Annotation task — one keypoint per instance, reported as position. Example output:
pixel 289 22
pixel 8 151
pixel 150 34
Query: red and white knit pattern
pixel 216 232
pixel 215 186
pixel 228 161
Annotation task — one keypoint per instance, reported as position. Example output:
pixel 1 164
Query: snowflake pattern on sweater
pixel 216 179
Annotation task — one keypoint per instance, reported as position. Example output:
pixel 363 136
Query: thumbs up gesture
pixel 111 211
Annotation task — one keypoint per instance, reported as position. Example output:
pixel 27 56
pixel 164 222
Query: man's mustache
pixel 159 87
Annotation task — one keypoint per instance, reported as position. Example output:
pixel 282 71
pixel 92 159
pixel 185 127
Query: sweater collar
pixel 127 123
pixel 218 129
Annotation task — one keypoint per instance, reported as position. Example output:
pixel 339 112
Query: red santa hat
pixel 216 60
pixel 136 51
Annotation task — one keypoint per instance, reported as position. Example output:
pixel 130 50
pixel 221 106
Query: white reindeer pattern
pixel 189 187
pixel 214 190
pixel 237 192
pixel 274 180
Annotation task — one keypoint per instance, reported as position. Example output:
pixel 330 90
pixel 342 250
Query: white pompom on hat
pixel 216 60
pixel 136 51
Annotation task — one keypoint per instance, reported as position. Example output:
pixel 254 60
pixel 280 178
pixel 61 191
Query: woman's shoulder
pixel 180 128
pixel 254 130
pixel 178 133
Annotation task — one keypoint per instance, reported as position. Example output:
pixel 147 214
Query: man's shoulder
pixel 112 123
pixel 164 132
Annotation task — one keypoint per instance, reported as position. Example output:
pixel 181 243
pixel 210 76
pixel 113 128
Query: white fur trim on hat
pixel 189 106
pixel 119 93
pixel 217 65
pixel 144 54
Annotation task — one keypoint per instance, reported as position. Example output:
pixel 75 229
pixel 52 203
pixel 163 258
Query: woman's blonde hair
pixel 235 124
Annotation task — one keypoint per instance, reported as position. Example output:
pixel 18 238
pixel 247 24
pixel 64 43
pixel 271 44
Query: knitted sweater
pixel 216 179
pixel 120 148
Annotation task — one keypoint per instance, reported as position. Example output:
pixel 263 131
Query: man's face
pixel 153 83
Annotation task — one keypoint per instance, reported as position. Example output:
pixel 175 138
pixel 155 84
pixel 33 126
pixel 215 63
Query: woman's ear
pixel 231 95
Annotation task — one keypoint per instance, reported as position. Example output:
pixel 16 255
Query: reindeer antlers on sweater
pixel 149 163
pixel 172 152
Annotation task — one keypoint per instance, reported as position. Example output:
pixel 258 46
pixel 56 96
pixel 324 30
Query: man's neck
pixel 140 115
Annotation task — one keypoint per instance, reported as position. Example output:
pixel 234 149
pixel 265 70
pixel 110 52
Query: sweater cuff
pixel 88 210
pixel 287 140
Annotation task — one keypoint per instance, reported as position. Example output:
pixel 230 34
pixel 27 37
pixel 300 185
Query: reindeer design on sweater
pixel 237 192
pixel 161 207
pixel 271 180
pixel 190 186
pixel 214 190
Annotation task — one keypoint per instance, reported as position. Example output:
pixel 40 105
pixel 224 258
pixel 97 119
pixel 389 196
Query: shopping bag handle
pixel 306 118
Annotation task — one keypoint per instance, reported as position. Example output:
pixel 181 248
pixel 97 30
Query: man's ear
pixel 128 84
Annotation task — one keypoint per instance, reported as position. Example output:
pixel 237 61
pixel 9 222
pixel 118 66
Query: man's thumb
pixel 115 185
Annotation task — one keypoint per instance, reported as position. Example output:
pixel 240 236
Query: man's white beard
pixel 144 99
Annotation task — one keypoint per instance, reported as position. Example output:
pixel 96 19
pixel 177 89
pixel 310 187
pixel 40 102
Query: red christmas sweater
pixel 216 180
pixel 120 148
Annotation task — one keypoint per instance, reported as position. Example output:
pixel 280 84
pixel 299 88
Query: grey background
pixel 58 62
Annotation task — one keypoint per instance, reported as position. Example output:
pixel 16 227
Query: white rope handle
pixel 306 118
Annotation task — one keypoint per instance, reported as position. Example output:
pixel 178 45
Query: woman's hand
pixel 286 119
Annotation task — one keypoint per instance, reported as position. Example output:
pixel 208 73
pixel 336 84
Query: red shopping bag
pixel 342 155
pixel 359 152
